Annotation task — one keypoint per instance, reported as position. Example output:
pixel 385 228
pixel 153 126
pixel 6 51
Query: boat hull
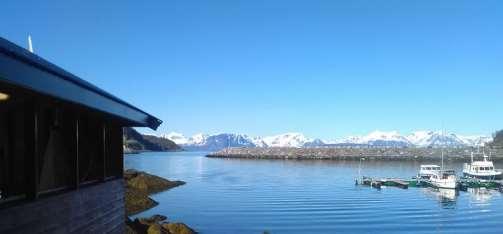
pixel 445 185
pixel 483 177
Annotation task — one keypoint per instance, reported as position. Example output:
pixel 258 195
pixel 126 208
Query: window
pixel 15 119
pixel 56 147
pixel 90 144
pixel 114 151
pixel 49 146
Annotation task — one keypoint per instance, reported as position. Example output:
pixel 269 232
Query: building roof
pixel 22 68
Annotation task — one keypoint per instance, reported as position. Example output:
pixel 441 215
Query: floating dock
pixel 462 184
pixel 377 183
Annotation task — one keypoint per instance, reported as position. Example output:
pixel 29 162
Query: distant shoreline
pixel 352 154
pixel 133 152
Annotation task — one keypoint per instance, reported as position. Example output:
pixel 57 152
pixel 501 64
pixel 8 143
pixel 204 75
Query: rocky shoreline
pixel 139 185
pixel 397 154
pixel 157 224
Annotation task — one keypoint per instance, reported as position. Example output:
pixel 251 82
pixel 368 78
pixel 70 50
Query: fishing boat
pixel 444 179
pixel 483 170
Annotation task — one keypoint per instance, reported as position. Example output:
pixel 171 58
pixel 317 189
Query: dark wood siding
pixel 93 209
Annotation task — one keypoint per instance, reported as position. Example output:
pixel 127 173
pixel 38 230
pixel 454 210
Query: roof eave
pixel 21 68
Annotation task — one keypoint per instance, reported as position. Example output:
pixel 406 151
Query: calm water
pixel 252 196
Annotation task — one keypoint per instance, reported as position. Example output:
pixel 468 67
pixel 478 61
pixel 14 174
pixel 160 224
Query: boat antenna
pixel 484 154
pixel 30 44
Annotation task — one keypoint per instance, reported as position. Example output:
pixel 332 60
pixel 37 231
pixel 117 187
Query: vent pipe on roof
pixel 30 45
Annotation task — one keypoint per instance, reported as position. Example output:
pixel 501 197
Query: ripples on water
pixel 286 196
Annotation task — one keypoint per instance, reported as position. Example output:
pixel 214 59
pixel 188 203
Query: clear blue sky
pixel 324 68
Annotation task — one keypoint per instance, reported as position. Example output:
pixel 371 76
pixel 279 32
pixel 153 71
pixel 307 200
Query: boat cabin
pixel 61 150
pixel 426 171
pixel 481 169
pixel 444 174
pixel 481 166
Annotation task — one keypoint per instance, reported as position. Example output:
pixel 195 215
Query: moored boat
pixel 437 176
pixel 444 179
pixel 483 170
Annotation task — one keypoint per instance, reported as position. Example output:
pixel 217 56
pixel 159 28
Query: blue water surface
pixel 290 196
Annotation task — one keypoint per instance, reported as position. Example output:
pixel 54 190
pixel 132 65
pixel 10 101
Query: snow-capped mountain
pixel 420 138
pixel 376 138
pixel 437 139
pixel 213 142
pixel 180 139
pixel 198 139
pixel 259 142
pixel 286 140
pixel 314 143
pixel 392 139
pixel 476 140
pixel 176 137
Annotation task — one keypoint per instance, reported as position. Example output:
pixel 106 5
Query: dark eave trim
pixel 21 68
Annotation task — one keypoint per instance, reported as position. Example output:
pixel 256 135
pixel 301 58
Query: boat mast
pixel 442 149
pixel 442 158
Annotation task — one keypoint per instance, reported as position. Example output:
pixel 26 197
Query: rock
pixel 136 226
pixel 138 182
pixel 158 218
pixel 130 173
pixel 130 230
pixel 152 220
pixel 152 226
pixel 137 201
pixel 147 182
pixel 156 229
pixel 350 153
pixel 139 185
pixel 178 228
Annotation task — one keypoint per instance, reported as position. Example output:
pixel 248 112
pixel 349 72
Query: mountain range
pixel 214 142
pixel 134 141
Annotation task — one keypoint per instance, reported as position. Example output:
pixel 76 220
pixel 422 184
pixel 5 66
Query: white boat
pixel 437 177
pixel 481 169
pixel 444 179
pixel 426 171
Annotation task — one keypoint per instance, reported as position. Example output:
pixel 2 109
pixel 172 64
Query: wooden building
pixel 61 159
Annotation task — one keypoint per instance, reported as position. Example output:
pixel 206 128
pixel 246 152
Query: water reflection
pixel 482 196
pixel 446 197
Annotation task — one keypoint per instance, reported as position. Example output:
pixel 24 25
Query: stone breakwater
pixel 413 154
